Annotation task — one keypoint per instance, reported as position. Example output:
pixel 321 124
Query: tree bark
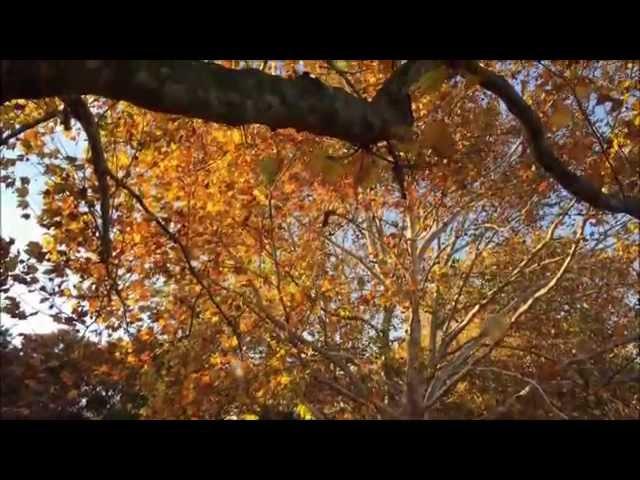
pixel 212 92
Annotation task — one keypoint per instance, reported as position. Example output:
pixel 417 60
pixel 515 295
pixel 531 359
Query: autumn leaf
pixel 48 243
pixel 33 249
pixel 329 169
pixel 66 377
pixel 544 186
pixel 146 335
pixel 432 80
pixel 303 412
pixel 561 115
pixel 342 65
pixel 437 136
pixel 583 90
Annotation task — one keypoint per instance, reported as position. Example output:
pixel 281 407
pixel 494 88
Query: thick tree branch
pixel 212 92
pixel 626 340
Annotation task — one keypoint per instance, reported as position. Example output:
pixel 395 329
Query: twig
pixel 79 109
pixel 28 126
pixel 531 382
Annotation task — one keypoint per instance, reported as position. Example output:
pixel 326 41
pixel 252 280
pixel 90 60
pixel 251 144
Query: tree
pixel 405 248
pixel 63 376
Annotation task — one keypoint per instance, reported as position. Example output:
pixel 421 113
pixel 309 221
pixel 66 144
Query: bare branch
pixel 531 382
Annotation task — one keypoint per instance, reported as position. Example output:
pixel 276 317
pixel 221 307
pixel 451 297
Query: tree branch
pixel 531 382
pixel 83 114
pixel 212 92
pixel 577 185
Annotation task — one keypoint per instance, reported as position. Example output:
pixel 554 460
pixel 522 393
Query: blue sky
pixel 23 231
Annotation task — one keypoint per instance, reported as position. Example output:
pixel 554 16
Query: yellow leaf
pixel 303 412
pixel 48 242
pixel 260 197
pixel 229 343
pixel 236 136
pixel 249 416
pixel 561 116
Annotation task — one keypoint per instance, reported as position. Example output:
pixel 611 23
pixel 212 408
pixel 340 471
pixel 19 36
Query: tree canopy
pixel 338 239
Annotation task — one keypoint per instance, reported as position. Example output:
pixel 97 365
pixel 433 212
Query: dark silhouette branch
pixel 211 92
pixel 577 185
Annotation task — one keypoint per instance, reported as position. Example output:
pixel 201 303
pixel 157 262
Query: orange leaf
pixel 583 91
pixel 561 116
pixel 544 187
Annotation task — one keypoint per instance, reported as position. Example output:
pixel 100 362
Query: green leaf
pixel 341 64
pixel 269 168
pixel 11 264
pixel 431 81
